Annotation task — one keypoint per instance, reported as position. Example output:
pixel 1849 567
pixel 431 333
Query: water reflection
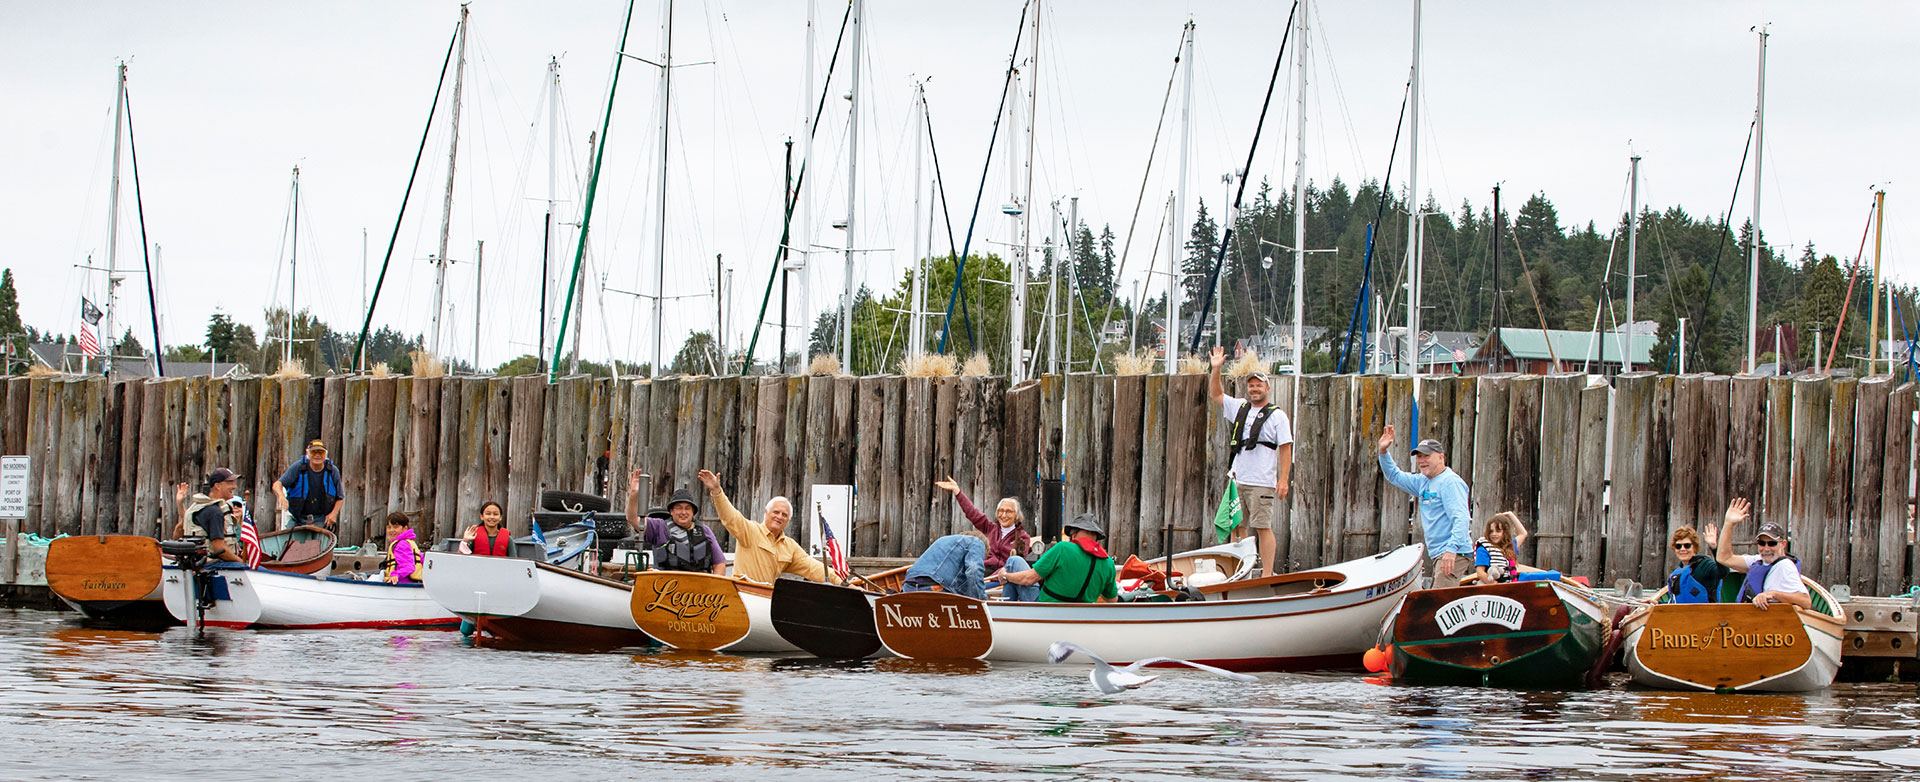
pixel 91 701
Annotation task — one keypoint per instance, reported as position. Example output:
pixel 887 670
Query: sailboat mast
pixel 293 270
pixel 446 204
pixel 1016 258
pixel 800 231
pixel 1633 254
pixel 479 253
pixel 916 325
pixel 1179 205
pixel 113 221
pixel 853 163
pixel 1413 217
pixel 1026 201
pixel 660 274
pixel 1300 208
pixel 553 171
pixel 1759 148
pixel 1873 327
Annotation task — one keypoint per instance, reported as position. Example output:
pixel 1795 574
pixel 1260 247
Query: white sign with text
pixel 13 486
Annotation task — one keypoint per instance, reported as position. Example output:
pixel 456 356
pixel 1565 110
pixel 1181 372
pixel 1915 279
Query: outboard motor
pixel 190 556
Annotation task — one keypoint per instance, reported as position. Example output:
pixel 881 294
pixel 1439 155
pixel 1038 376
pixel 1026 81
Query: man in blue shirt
pixel 1442 494
pixel 309 492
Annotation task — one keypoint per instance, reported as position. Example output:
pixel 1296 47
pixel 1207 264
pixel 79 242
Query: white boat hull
pixel 270 599
pixel 524 601
pixel 1315 627
pixel 761 637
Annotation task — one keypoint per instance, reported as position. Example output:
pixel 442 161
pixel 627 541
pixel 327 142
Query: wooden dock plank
pixel 1869 463
pixel 893 436
pixel 1522 479
pixel 1895 506
pixel 1123 463
pixel 523 451
pixel 1633 404
pixel 1559 472
pixel 869 463
pixel 1812 408
pixel 1589 512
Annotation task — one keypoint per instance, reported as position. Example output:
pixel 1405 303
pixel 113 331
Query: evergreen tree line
pixel 1549 275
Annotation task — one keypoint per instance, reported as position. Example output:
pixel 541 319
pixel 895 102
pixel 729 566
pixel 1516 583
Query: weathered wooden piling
pixel 1602 470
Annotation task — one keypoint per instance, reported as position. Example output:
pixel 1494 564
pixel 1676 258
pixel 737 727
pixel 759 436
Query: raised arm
pixel 1403 481
pixel 730 517
pixel 1214 390
pixel 967 508
pixel 633 499
pixel 1519 532
pixel 1736 513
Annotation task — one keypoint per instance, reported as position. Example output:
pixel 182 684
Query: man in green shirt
pixel 1076 570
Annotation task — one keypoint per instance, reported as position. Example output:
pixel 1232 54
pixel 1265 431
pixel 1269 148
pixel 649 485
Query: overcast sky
pixel 229 97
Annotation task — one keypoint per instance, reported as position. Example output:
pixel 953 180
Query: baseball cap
pixel 316 446
pixel 1260 376
pixel 221 475
pixel 1772 530
pixel 1429 445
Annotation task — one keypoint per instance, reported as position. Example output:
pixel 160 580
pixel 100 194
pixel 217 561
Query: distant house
pixel 1440 352
pixel 1533 351
pixel 1275 344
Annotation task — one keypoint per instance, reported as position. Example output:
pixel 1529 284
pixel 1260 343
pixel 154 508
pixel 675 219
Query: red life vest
pixel 500 544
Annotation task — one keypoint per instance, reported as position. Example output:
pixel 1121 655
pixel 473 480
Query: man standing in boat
pixel 1442 493
pixel 1773 576
pixel 762 551
pixel 309 492
pixel 1262 449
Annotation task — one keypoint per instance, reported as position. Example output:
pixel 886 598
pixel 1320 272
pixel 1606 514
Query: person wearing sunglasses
pixel 1697 579
pixel 1773 576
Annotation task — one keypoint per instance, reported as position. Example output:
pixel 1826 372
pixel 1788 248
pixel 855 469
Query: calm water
pixel 79 702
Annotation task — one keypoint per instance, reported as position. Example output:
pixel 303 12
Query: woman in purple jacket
pixel 1007 538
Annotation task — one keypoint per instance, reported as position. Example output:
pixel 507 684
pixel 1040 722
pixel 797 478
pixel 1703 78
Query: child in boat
pixel 490 537
pixel 403 556
pixel 1697 579
pixel 1495 556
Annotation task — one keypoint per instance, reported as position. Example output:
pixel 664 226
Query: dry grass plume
pixel 1248 363
pixel 929 365
pixel 427 364
pixel 823 364
pixel 1136 363
pixel 977 366
pixel 380 370
pixel 42 370
pixel 290 369
pixel 1191 364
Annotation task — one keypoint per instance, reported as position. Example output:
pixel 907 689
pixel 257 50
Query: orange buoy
pixel 1376 659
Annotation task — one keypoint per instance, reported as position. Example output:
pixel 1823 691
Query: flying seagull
pixel 1112 681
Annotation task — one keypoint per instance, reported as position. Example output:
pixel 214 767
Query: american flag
pixel 249 539
pixel 89 316
pixel 836 556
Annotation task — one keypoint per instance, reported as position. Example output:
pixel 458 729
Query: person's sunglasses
pixel 1682 546
pixel 1766 543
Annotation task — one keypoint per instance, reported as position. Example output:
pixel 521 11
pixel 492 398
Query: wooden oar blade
pixel 934 626
pixel 824 620
pixel 686 610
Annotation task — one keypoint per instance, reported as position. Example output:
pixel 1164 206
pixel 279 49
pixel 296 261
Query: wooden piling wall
pixel 1601 472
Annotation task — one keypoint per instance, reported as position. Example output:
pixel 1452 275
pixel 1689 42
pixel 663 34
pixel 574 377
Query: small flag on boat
pixel 836 556
pixel 1230 512
pixel 89 316
pixel 249 539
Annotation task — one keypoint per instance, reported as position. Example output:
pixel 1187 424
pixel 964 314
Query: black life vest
pixel 1236 444
pixel 1684 588
pixel 684 549
pixel 499 544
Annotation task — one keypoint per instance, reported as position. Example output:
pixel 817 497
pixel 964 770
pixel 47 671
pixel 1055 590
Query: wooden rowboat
pixel 114 578
pixel 834 622
pixel 1736 647
pixel 270 599
pixel 1295 621
pixel 705 612
pixel 1552 634
pixel 305 549
pixel 523 602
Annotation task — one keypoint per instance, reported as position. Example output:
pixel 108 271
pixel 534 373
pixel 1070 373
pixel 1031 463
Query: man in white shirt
pixel 1262 448
pixel 1773 576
